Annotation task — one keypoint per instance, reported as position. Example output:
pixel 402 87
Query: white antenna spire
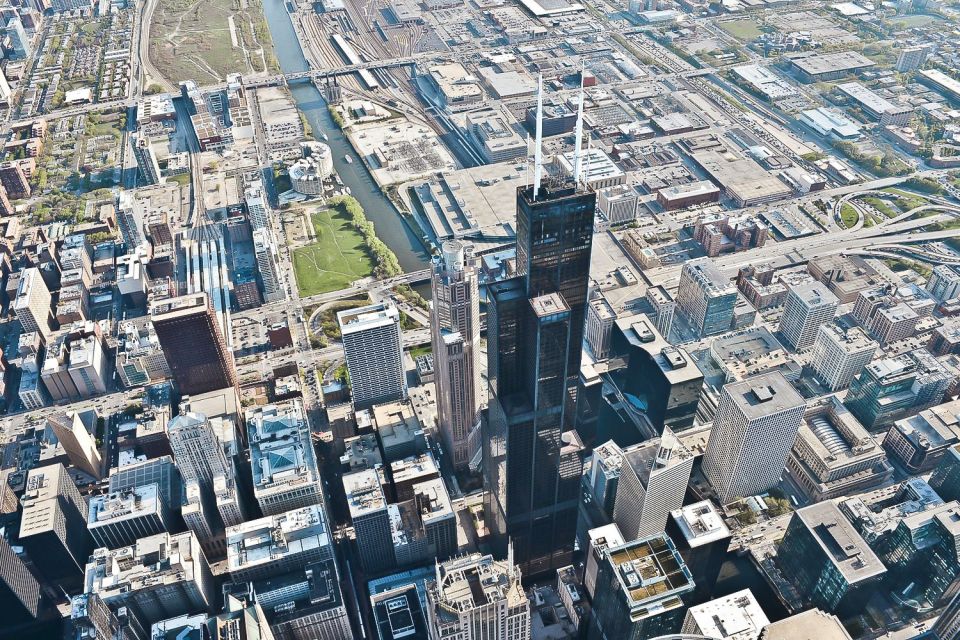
pixel 586 172
pixel 578 140
pixel 538 149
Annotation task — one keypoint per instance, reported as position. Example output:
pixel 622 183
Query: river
pixel 390 226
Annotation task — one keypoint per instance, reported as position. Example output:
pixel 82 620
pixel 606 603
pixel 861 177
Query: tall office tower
pixel 475 597
pixel 19 590
pixel 660 380
pixel 80 446
pixel 256 205
pixel 640 590
pixel 274 545
pixel 242 619
pixel 53 528
pixel 398 613
pixel 156 578
pixel 653 481
pixel 946 477
pixel 119 519
pixel 140 358
pixel 305 604
pixel 664 309
pixel 893 388
pixel 371 520
pixel 737 616
pixel 91 617
pixel 702 537
pixel 756 423
pixel 198 515
pixel 455 331
pixel 706 297
pixel 373 346
pixel 146 159
pixel 201 458
pixel 19 40
pixel 284 465
pixel 531 464
pixel 193 344
pixel 827 562
pixel 947 626
pixel 912 58
pixel 809 306
pixel 812 623
pixel 605 471
pixel 944 283
pixel 599 539
pixel 32 303
pixel 88 366
pixel 600 318
pixel 14 181
pixel 268 264
pixel 840 354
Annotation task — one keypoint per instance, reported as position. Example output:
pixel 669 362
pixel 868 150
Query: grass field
pixel 190 39
pixel 742 29
pixel 336 259
pixel 848 215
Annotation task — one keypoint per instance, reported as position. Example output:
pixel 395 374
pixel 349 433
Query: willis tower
pixel 531 457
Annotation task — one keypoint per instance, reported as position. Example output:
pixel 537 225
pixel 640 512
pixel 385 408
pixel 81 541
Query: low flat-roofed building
pixel 818 67
pixel 743 180
pixel 457 87
pixel 277 544
pixel 943 83
pixel 920 441
pixel 834 455
pixel 765 82
pixel 282 459
pixel 830 123
pixel 737 616
pixel 877 107
pixel 597 169
pixel 492 131
pixel 680 196
pixel 508 84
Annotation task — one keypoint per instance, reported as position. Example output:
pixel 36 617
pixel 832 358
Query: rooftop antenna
pixel 578 141
pixel 538 149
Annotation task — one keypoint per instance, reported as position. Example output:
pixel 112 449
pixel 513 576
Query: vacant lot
pixel 205 40
pixel 741 29
pixel 337 258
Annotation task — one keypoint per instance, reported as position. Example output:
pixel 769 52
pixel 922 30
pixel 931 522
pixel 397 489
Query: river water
pixel 390 226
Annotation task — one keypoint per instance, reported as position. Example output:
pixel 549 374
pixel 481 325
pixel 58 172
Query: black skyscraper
pixel 532 464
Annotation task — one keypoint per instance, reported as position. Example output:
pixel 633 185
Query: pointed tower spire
pixel 578 134
pixel 538 149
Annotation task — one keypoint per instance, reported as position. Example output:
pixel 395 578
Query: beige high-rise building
pixel 32 303
pixel 477 598
pixel 755 427
pixel 455 326
pixel 80 446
